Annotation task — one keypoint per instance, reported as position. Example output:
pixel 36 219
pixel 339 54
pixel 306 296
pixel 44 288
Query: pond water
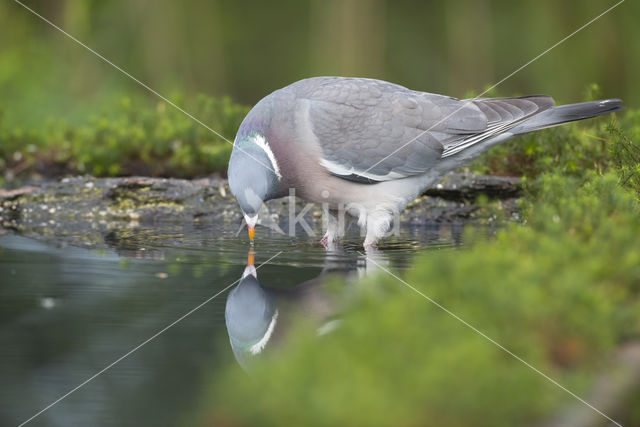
pixel 67 312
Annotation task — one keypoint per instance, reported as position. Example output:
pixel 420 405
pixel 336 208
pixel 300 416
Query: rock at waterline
pixel 80 203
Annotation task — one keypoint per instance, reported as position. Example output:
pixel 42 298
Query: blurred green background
pixel 248 49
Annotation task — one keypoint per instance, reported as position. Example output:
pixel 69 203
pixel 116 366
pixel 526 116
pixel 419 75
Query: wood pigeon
pixel 369 147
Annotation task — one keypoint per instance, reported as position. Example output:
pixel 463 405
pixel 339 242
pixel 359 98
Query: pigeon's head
pixel 250 315
pixel 254 176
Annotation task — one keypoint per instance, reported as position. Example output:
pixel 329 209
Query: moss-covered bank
pixel 133 137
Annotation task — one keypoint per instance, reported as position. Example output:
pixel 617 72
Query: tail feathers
pixel 568 113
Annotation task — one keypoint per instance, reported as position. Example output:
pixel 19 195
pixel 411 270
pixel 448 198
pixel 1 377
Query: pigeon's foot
pixel 370 245
pixel 378 222
pixel 328 241
pixel 334 231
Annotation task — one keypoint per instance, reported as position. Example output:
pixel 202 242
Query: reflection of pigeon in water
pixel 257 316
pixel 250 315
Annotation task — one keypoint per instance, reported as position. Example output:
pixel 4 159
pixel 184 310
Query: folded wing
pixel 372 131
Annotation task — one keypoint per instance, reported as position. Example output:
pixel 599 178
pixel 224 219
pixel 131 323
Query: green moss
pixel 130 204
pixel 135 197
pixel 129 138
pixel 626 154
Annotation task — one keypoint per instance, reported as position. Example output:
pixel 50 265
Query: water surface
pixel 67 312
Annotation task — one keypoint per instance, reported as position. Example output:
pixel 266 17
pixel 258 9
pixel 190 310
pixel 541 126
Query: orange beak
pixel 252 232
pixel 251 258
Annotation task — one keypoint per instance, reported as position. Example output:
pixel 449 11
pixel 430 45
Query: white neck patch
pixel 261 142
pixel 259 346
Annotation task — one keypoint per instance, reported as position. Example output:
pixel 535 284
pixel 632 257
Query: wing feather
pixel 372 131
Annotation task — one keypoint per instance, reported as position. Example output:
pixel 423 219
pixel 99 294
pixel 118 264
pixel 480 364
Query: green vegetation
pixel 131 138
pixel 561 292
